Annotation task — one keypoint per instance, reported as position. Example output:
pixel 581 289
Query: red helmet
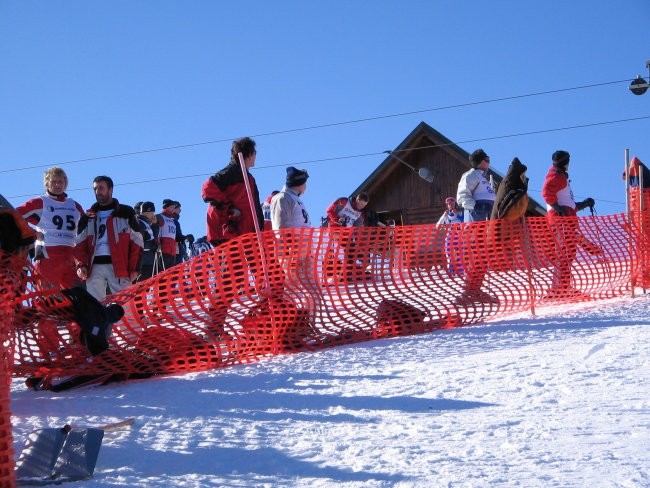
pixel 449 200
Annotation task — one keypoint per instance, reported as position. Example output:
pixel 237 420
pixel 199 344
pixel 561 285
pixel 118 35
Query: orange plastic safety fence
pixel 10 271
pixel 640 218
pixel 306 289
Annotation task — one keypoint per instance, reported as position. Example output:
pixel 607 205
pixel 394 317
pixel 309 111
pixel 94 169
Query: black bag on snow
pixel 96 320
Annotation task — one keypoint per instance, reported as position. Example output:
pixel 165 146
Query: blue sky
pixel 86 81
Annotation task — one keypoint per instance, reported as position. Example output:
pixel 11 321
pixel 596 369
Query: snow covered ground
pixel 557 400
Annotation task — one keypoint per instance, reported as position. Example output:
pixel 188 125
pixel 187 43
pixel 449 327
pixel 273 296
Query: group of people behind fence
pixel 230 213
pixel 475 201
pixel 106 247
pixel 164 243
pixel 111 245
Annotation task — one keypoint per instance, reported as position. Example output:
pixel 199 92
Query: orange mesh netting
pixel 313 288
pixel 640 217
pixel 10 272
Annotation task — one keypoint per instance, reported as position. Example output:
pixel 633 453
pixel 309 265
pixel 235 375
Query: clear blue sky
pixel 94 79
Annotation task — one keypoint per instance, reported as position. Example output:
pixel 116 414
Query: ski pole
pixel 265 290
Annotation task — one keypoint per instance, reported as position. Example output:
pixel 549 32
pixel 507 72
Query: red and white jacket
pixel 56 216
pixel 224 191
pixel 167 232
pixel 341 213
pixel 124 239
pixel 556 190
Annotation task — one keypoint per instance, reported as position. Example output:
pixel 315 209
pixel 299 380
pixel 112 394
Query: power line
pixel 467 141
pixel 541 131
pixel 381 153
pixel 319 126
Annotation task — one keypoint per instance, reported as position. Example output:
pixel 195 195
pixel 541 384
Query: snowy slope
pixel 557 400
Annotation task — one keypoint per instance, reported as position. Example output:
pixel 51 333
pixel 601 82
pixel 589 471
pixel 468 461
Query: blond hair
pixel 51 173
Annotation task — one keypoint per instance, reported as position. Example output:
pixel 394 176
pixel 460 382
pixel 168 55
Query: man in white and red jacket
pixel 557 192
pixel 109 243
pixel 54 216
pixel 167 233
pixel 347 212
pixel 561 205
pixel 266 210
pixel 229 214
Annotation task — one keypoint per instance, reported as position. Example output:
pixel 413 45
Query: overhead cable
pixel 381 153
pixel 319 126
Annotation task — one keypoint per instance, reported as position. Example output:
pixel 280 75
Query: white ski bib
pixel 59 221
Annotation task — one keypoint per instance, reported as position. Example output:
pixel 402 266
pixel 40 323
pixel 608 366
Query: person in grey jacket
pixel 287 210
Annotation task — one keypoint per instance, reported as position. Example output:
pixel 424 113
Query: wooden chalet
pixel 398 192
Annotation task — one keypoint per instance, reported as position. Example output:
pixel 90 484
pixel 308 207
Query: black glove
pixel 588 202
pixel 558 209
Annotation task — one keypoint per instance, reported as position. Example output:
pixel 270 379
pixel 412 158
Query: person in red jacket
pixel 266 210
pixel 109 243
pixel 342 213
pixel 561 212
pixel 229 214
pixel 167 233
pixel 54 216
pixel 347 212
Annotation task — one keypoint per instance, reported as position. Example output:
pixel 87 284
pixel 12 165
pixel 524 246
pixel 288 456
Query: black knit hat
pixel 147 207
pixel 296 177
pixel 477 156
pixel 167 202
pixel 560 158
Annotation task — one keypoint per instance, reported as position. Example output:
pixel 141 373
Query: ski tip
pixel 118 425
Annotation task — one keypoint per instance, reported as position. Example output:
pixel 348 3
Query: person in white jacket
pixel 452 214
pixel 287 210
pixel 475 193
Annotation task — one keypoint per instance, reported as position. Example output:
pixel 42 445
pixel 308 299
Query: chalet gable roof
pixel 432 138
pixel 425 148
